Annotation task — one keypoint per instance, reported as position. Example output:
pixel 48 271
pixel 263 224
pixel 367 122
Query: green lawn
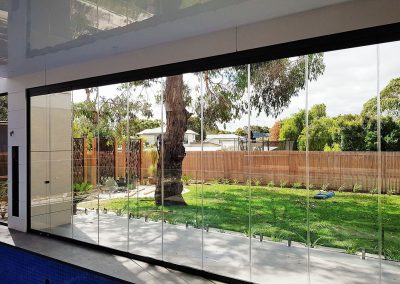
pixel 348 221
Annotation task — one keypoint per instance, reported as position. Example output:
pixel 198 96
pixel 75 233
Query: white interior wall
pixel 329 20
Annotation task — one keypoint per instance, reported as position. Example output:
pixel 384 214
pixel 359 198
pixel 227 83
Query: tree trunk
pixel 174 151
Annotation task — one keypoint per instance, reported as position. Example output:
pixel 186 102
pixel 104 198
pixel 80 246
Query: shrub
pixel 357 187
pixel 271 184
pixel 235 181
pixel 391 191
pixel 283 183
pixel 324 187
pixel 257 182
pixel 311 186
pixel 342 188
pixel 152 170
pixel 225 181
pixel 373 190
pixel 296 185
pixel 186 179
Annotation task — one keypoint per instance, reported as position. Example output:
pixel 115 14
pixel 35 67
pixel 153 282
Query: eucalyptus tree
pixel 274 83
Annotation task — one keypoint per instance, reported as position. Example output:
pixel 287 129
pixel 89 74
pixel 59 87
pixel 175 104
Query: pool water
pixel 18 266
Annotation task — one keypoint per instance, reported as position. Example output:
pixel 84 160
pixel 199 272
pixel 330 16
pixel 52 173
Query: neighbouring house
pixel 226 141
pixel 151 136
pixel 207 146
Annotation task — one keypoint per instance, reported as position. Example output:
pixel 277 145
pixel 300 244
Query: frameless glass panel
pixel 3 159
pixel 85 205
pixel 40 158
pixel 343 166
pixel 277 166
pixel 60 166
pixel 389 90
pixel 113 198
pixel 182 230
pixel 144 168
pixel 225 192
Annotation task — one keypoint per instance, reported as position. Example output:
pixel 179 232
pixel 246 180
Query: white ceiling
pixel 53 37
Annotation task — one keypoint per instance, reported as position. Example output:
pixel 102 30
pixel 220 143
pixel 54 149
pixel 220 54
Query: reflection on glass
pixel 3 160
pixel 83 19
pixel 211 170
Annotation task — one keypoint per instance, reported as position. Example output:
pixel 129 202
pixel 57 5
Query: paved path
pixel 229 253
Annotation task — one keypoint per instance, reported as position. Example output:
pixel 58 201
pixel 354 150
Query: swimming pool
pixel 18 266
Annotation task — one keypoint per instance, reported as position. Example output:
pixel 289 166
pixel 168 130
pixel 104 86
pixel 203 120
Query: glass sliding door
pixel 183 228
pixel 281 171
pixel 277 163
pixel 388 110
pixel 226 187
pixel 51 181
pixel 40 157
pixel 85 169
pixel 60 164
pixel 144 167
pixel 112 181
pixel 343 169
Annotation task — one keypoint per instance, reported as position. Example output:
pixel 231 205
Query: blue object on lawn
pixel 324 195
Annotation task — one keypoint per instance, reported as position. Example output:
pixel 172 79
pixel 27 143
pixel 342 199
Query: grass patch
pixel 348 221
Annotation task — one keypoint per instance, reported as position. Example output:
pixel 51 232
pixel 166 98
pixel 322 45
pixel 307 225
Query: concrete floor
pixel 229 253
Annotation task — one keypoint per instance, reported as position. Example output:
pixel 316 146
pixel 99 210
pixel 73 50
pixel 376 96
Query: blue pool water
pixel 18 266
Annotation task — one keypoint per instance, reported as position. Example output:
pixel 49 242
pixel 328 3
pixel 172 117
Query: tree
pixel 292 127
pixel 107 116
pixel 321 133
pixel 169 166
pixel 275 130
pixel 194 123
pixel 352 136
pixel 316 112
pixel 390 134
pixel 390 101
pixel 274 84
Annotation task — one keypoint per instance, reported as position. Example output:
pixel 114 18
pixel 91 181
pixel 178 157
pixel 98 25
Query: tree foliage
pixel 275 130
pixel 390 101
pixel 274 83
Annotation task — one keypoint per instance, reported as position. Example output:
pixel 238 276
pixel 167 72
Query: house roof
pixel 222 136
pixel 157 131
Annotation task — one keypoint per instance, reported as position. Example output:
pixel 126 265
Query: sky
pixel 349 80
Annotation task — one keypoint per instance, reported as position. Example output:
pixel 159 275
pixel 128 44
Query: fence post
pixel 94 163
pixel 123 161
pixel 141 160
pixel 116 169
pixel 85 160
